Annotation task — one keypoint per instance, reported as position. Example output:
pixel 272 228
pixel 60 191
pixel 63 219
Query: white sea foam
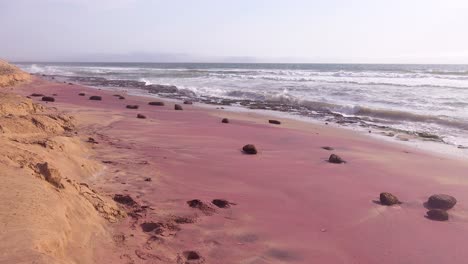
pixel 422 98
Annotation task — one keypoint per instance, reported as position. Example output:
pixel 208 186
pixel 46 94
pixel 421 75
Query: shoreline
pixel 287 203
pixel 404 138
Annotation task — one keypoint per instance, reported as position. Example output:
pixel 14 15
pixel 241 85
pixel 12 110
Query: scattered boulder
pixel 177 107
pixel 124 199
pixel 275 122
pixel 36 95
pixel 388 199
pixel 225 121
pixel 187 102
pixel 249 149
pixel 121 98
pixel 156 103
pixel 198 204
pixel 48 99
pixel 191 256
pixel 150 227
pixel 328 148
pixel 81 94
pixel 141 116
pixel 335 159
pixel 184 220
pixel 95 98
pixel 132 106
pixel 441 201
pixel 221 203
pixel 437 214
pixel 92 140
pixel 195 203
pixel 147 179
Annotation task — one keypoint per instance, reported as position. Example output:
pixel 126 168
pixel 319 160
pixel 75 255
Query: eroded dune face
pixel 10 75
pixel 48 213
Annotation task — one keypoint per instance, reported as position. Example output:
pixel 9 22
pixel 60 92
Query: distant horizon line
pixel 224 62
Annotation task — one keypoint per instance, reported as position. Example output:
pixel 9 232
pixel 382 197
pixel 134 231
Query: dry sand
pixel 288 204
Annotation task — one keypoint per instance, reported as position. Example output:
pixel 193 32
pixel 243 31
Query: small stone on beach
pixel 250 149
pixel 92 140
pixel 191 256
pixel 195 203
pixel 335 159
pixel 177 107
pixel 141 116
pixel 124 199
pixel 81 94
pixel 156 103
pixel 328 148
pixel 132 106
pixel 388 199
pixel 188 102
pixel 36 95
pixel 221 203
pixel 95 98
pixel 48 99
pixel 275 122
pixel 441 201
pixel 225 121
pixel 438 215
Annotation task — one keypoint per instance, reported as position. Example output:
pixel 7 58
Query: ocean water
pixel 411 99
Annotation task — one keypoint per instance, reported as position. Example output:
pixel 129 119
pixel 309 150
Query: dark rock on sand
pixel 184 220
pixel 48 99
pixel 188 102
pixel 221 203
pixel 335 159
pixel 441 201
pixel 121 98
pixel 250 149
pixel 141 116
pixel 92 140
pixel 81 94
pixel 328 148
pixel 148 179
pixel 150 227
pixel 438 215
pixel 177 107
pixel 132 106
pixel 156 103
pixel 192 257
pixel 195 203
pixel 36 95
pixel 388 199
pixel 124 199
pixel 95 98
pixel 275 122
pixel 225 120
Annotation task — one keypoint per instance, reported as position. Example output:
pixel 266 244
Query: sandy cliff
pixel 48 213
pixel 11 75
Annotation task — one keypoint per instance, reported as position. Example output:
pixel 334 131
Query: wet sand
pixel 289 204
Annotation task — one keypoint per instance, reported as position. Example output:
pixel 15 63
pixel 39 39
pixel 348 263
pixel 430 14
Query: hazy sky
pixel 369 31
